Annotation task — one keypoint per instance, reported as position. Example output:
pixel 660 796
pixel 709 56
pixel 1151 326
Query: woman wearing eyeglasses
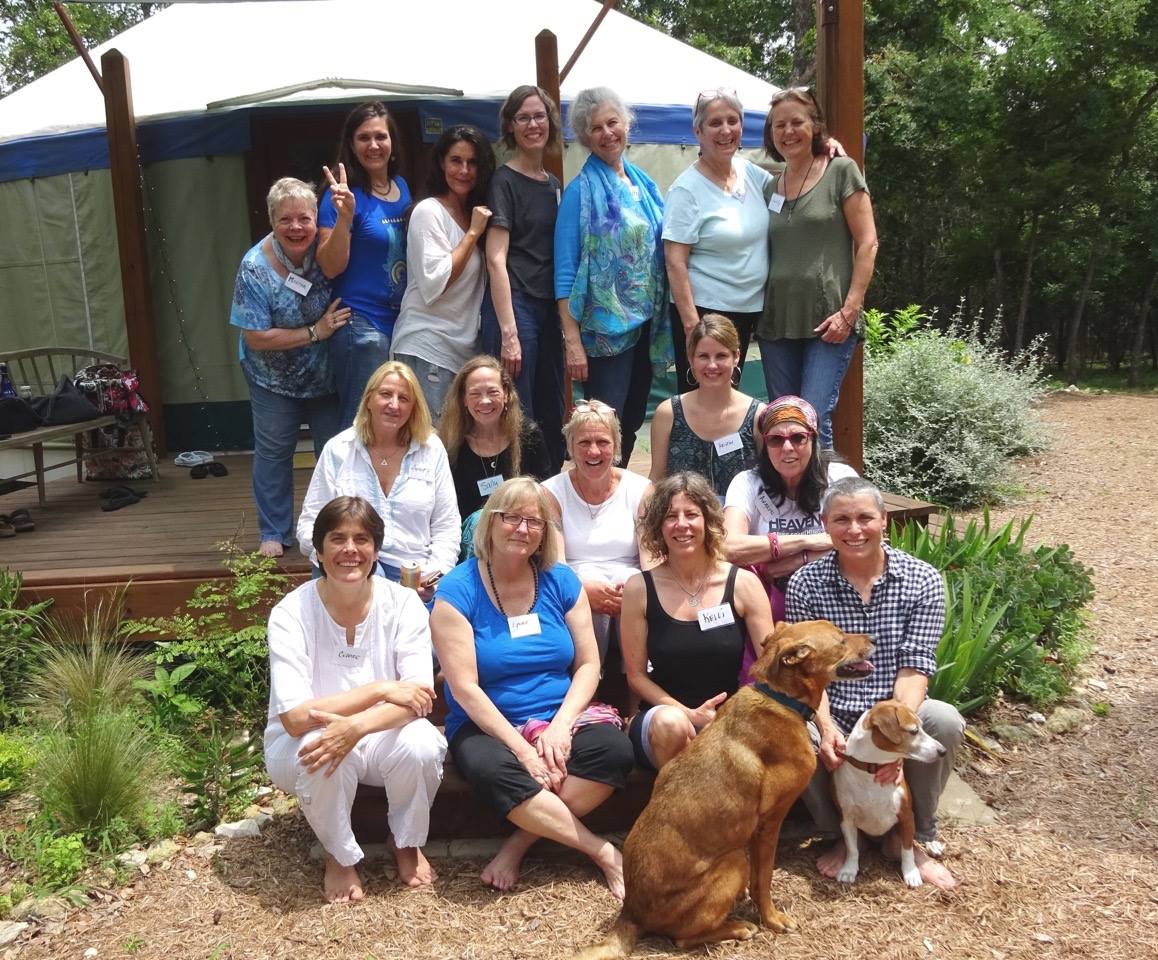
pixel 512 630
pixel 715 229
pixel 772 513
pixel 823 246
pixel 520 322
pixel 596 505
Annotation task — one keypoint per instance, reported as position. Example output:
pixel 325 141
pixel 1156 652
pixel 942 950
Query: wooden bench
pixel 41 369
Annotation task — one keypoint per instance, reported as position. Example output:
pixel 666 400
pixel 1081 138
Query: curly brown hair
pixel 700 492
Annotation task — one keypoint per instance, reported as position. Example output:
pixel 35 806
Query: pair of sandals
pixel 18 521
pixel 114 498
pixel 203 470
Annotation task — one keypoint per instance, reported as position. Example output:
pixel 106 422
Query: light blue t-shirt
pixel 262 301
pixel 728 234
pixel 375 276
pixel 525 677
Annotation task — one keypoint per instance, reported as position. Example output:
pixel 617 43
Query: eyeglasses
pixel 516 520
pixel 777 440
pixel 595 406
pixel 526 119
pixel 792 93
pixel 715 93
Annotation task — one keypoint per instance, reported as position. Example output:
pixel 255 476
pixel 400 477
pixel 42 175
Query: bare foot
pixel 342 884
pixel 414 870
pixel 502 872
pixel 932 872
pixel 830 862
pixel 610 861
pixel 271 548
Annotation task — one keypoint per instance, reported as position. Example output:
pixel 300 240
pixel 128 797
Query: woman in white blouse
pixel 392 457
pixel 351 686
pixel 437 328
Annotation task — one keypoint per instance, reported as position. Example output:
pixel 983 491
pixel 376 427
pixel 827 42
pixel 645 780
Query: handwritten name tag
pixel 298 284
pixel 420 472
pixel 764 505
pixel 488 485
pixel 712 617
pixel 740 190
pixel 729 444
pixel 776 204
pixel 350 658
pixel 525 626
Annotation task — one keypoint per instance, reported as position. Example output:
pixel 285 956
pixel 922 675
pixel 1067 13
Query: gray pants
pixel 926 781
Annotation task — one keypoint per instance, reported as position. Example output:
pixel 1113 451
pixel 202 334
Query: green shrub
pixel 18 626
pixel 218 767
pixel 222 631
pixel 1028 646
pixel 945 411
pixel 16 760
pixel 172 709
pixel 60 860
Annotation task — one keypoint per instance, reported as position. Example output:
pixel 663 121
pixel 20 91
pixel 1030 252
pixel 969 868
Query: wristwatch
pixel 313 333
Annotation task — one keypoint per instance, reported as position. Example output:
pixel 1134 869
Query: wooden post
pixel 128 207
pixel 840 90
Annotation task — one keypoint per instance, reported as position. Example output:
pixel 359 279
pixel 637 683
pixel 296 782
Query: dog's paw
pixel 777 921
pixel 847 874
pixel 912 877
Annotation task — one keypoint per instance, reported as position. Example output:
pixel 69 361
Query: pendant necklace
pixel 807 173
pixel 692 595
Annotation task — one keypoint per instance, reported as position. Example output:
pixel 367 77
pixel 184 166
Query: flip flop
pixel 120 500
pixel 109 492
pixel 217 469
pixel 6 529
pixel 191 458
pixel 199 472
pixel 21 520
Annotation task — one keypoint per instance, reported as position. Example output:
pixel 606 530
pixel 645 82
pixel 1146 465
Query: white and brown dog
pixel 888 732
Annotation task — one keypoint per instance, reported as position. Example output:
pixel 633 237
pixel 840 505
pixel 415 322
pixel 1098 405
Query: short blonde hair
pixel 509 493
pixel 419 427
pixel 593 413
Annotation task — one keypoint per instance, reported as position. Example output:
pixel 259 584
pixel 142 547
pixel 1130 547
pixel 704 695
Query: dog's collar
pixel 786 701
pixel 863 764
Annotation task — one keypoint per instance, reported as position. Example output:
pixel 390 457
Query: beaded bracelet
pixel 774 545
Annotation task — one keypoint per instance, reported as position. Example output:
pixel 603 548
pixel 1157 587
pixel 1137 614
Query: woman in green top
pixel 823 246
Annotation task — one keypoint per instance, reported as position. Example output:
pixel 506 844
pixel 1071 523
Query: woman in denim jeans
pixel 362 248
pixel 520 323
pixel 280 304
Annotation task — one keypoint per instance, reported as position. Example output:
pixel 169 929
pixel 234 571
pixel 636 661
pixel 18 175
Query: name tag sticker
pixel 349 657
pixel 635 194
pixel 729 444
pixel 764 505
pixel 298 284
pixel 712 617
pixel 488 485
pixel 776 204
pixel 740 190
pixel 420 472
pixel 525 626
pixel 558 196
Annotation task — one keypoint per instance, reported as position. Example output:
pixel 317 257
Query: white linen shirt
pixel 420 512
pixel 309 657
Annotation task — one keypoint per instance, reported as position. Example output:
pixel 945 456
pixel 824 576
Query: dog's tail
pixel 619 943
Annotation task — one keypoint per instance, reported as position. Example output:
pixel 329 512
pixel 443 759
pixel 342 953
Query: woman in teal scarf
pixel 609 268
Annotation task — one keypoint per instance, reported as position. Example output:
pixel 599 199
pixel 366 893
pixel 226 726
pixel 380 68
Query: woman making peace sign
pixel 362 248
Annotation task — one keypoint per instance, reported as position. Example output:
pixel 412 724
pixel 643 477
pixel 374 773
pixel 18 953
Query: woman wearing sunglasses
pixel 772 513
pixel 512 630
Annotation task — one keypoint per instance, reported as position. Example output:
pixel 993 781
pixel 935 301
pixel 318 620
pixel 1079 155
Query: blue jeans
pixel 623 382
pixel 276 421
pixel 434 380
pixel 357 349
pixel 540 380
pixel 808 368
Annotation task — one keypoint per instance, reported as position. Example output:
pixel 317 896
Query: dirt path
pixel 1068 871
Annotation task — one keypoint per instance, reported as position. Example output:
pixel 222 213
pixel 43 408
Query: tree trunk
pixel 803 59
pixel 1073 349
pixel 1026 282
pixel 1140 332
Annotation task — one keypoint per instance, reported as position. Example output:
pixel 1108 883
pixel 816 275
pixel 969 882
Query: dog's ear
pixel 765 666
pixel 793 654
pixel 894 721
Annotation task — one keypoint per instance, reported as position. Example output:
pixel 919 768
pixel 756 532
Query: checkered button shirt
pixel 905 617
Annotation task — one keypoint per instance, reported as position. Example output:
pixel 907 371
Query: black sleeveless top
pixel 690 664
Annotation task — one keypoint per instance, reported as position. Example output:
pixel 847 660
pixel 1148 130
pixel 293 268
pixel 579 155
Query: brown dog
pixel 714 817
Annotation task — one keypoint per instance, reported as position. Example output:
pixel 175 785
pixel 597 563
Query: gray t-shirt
pixel 527 208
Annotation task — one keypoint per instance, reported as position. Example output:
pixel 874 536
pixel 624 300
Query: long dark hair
pixel 484 155
pixel 813 482
pixel 356 175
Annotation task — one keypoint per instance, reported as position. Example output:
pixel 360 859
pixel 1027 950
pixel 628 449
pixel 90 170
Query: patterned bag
pixel 114 390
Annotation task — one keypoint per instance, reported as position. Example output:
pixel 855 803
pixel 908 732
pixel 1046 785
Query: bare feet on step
pixel 502 872
pixel 342 884
pixel 414 870
pixel 610 861
pixel 830 862
pixel 271 548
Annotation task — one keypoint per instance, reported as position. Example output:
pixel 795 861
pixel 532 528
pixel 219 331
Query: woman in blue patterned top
pixel 609 269
pixel 281 302
pixel 362 247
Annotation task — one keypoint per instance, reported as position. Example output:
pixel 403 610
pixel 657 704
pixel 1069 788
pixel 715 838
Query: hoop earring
pixel 692 381
pixel 737 374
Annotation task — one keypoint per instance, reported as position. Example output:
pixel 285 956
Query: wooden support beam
pixel 840 90
pixel 608 6
pixel 78 44
pixel 128 207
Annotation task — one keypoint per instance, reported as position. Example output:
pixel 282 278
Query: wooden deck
pixel 167 543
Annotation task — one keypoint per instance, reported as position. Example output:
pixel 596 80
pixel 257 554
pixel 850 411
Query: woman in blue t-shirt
pixel 362 247
pixel 512 630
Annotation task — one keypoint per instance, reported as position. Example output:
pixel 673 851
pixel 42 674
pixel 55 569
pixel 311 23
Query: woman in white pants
pixel 351 683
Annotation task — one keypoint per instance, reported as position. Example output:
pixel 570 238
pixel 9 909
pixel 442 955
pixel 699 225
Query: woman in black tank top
pixel 684 623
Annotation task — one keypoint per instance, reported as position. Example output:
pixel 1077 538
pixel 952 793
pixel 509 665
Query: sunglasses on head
pixel 778 439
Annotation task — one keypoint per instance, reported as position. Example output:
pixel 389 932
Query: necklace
pixel 383 194
pixel 495 590
pixel 385 461
pixel 489 464
pixel 807 173
pixel 598 508
pixel 693 595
